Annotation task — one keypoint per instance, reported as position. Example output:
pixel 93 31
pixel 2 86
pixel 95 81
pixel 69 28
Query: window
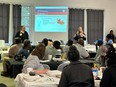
pixel 25 17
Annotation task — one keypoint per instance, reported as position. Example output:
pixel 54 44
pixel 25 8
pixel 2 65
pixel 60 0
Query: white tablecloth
pixel 4 54
pixel 24 80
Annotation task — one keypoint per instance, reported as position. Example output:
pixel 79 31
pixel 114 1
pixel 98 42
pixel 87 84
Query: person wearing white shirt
pixel 82 51
pixel 33 61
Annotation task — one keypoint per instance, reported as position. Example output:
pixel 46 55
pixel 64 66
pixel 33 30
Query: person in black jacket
pixel 22 33
pixel 109 75
pixel 76 74
pixel 111 35
pixel 80 34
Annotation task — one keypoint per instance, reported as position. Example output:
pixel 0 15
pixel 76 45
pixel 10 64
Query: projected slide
pixel 51 19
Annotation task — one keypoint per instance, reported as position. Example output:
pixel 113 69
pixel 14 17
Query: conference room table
pixel 15 67
pixel 25 80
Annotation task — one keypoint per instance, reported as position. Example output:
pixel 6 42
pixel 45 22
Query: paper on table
pixel 54 73
pixel 47 79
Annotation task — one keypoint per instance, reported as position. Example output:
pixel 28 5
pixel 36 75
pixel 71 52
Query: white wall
pixel 107 5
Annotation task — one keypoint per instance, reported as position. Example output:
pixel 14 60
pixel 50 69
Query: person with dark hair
pixel 15 48
pixel 22 33
pixel 76 74
pixel 56 44
pixel 33 61
pixel 111 35
pixel 12 52
pixel 66 48
pixel 52 50
pixel 45 41
pixel 25 50
pixel 82 51
pixel 2 85
pixel 56 49
pixel 109 75
pixel 70 43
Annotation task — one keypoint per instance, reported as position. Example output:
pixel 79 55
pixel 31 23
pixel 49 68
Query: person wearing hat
pixel 98 43
pixel 110 42
pixel 24 51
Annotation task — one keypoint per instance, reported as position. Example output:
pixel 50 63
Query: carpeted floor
pixel 6 80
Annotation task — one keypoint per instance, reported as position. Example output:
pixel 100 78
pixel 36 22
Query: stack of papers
pixel 54 73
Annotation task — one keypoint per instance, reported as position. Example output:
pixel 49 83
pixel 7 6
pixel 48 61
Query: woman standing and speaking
pixel 80 34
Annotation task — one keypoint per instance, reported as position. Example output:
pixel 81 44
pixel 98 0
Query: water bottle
pixel 95 72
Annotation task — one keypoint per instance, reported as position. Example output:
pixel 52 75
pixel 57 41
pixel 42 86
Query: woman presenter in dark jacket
pixel 22 34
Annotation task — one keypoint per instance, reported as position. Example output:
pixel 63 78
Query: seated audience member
pixel 109 40
pixel 101 60
pixel 109 74
pixel 12 52
pixel 98 43
pixel 82 51
pixel 100 57
pixel 45 41
pixel 66 48
pixel 24 51
pixel 76 74
pixel 2 85
pixel 15 48
pixel 50 42
pixel 52 50
pixel 33 60
pixel 111 35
